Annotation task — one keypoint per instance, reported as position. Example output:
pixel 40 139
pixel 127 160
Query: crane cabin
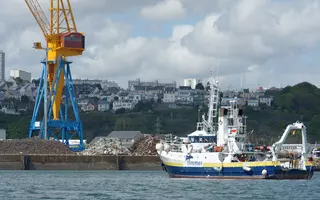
pixel 73 41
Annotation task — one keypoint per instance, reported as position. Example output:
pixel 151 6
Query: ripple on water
pixel 146 185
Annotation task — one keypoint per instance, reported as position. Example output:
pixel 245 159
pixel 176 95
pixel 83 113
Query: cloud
pixel 164 10
pixel 265 42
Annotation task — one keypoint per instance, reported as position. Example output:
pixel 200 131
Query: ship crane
pixel 62 41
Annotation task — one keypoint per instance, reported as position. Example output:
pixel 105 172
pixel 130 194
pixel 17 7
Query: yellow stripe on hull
pixel 234 164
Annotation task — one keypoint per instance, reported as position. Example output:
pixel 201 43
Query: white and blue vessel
pixel 219 149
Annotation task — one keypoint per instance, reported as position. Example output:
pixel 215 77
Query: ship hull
pixel 255 172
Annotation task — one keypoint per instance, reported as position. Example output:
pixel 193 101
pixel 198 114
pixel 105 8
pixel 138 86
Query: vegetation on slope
pixel 300 102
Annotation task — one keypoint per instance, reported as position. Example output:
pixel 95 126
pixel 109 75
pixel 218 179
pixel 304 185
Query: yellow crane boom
pixel 62 39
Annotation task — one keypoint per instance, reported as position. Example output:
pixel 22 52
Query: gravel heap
pixel 106 146
pixel 33 146
pixel 146 145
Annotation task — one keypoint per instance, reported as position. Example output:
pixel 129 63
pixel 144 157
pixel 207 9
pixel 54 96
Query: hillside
pixel 300 102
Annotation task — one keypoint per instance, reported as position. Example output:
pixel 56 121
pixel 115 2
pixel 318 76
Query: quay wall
pixel 82 162
pixel 79 162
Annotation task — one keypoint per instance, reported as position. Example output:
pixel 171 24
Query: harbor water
pixel 140 185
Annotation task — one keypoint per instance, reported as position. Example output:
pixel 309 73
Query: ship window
pixel 196 139
pixel 191 139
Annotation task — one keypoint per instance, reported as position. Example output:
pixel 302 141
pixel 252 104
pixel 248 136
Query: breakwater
pixel 79 162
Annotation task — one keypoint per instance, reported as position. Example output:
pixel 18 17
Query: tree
pixel 18 80
pixel 25 99
pixel 120 111
pixel 208 87
pixel 159 100
pixel 36 81
pixel 98 86
pixel 200 86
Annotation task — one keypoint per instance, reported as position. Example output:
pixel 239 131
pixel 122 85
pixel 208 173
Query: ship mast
pixel 213 104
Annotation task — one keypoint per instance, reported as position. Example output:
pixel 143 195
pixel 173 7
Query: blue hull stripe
pixel 273 171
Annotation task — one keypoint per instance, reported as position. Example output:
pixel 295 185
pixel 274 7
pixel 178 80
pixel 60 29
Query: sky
pixel 247 43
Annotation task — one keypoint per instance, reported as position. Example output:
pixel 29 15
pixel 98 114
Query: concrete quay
pixel 83 162
pixel 79 162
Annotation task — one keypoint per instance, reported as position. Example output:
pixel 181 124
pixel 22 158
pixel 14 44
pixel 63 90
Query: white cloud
pixel 267 42
pixel 164 10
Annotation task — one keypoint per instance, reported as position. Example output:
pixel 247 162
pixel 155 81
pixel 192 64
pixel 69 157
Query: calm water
pixel 146 185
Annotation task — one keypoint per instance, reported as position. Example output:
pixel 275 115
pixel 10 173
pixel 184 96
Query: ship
pixel 219 148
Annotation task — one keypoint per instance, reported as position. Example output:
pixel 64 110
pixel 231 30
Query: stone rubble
pixel 33 146
pixel 106 146
pixel 112 146
pixel 146 145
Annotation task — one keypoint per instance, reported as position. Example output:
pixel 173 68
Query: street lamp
pixel 37 45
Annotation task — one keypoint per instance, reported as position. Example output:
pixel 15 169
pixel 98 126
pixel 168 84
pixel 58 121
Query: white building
pixel 169 95
pixel 122 104
pixel 24 75
pixel 266 100
pixel 2 66
pixel 192 82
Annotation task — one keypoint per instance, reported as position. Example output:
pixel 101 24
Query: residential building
pixel 253 102
pixel 169 95
pixel 183 96
pixel 89 107
pixel 86 81
pixel 2 66
pixel 198 96
pixel 265 100
pixel 226 101
pixel 192 82
pixel 155 83
pixel 83 102
pixel 103 106
pixel 126 104
pixel 18 73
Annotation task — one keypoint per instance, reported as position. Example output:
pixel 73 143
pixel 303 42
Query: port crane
pixel 62 41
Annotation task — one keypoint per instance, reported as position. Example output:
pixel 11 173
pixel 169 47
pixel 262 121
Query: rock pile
pixel 33 146
pixel 145 145
pixel 106 146
pixel 113 146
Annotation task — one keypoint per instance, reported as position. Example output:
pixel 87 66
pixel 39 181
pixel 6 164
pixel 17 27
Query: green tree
pixel 25 99
pixel 200 86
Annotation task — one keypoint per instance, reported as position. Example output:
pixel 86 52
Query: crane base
pixel 64 129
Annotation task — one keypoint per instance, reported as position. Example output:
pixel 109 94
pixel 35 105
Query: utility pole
pixel 158 126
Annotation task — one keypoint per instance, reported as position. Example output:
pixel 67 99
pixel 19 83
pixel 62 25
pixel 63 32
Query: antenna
pixel 218 63
pixel 241 82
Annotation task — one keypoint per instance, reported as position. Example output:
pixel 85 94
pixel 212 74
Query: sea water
pixel 146 185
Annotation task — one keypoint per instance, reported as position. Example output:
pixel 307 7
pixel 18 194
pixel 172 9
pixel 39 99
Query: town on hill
pixel 165 108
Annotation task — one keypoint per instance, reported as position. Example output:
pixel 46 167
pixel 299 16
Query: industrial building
pixel 2 65
pixel 24 75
